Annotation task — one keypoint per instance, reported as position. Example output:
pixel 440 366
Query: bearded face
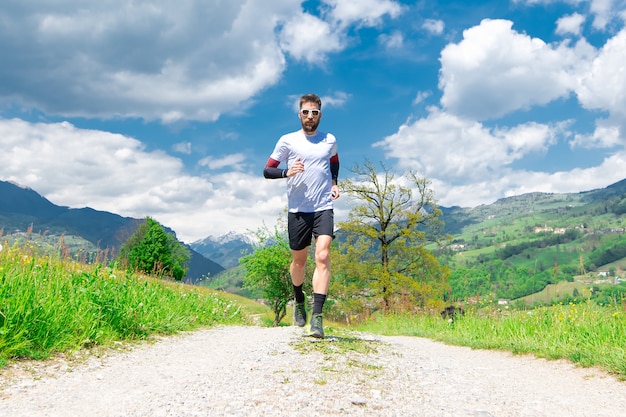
pixel 310 116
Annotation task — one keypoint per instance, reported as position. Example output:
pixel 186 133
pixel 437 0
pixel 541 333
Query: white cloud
pixel 309 38
pixel 182 147
pixel 233 161
pixel 362 12
pixel 603 87
pixel 576 180
pixel 495 70
pixel 545 2
pixel 111 172
pixel 570 25
pixel 605 135
pixel 603 11
pixel 462 150
pixel 338 99
pixel 421 96
pixel 512 183
pixel 392 41
pixel 434 26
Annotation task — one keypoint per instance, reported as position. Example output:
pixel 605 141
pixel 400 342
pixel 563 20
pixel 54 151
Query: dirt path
pixel 255 371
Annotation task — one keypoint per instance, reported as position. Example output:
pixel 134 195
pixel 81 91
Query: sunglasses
pixel 305 112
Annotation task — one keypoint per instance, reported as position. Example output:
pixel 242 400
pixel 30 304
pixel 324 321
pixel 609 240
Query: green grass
pixel 586 334
pixel 50 305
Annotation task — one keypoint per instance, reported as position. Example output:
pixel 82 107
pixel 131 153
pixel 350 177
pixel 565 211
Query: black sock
pixel 318 302
pixel 298 293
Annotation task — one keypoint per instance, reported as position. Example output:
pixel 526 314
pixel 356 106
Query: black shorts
pixel 302 227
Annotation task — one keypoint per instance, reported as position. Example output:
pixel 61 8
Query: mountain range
pixel 225 249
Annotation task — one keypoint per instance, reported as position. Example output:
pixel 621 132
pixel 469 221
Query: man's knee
pixel 322 256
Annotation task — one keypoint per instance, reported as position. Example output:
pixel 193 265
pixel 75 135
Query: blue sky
pixel 171 109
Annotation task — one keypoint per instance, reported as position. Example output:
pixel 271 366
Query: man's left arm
pixel 334 172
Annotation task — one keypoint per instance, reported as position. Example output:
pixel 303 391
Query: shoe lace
pixel 300 309
pixel 316 320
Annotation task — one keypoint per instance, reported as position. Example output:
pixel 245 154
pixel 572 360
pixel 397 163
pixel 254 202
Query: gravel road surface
pixel 256 371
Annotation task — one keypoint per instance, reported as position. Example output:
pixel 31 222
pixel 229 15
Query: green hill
pixel 518 245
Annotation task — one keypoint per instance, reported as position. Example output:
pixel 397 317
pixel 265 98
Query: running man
pixel 312 168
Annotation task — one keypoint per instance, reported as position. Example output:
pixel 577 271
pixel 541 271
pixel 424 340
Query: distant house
pixel 555 230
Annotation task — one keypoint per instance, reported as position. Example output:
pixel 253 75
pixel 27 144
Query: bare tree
pixel 386 236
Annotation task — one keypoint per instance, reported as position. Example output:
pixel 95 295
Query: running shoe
pixel 316 326
pixel 299 314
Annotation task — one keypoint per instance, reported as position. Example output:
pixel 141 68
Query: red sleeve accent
pixel 272 163
pixel 334 159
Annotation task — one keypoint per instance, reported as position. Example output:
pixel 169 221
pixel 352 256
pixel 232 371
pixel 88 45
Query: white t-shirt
pixel 309 191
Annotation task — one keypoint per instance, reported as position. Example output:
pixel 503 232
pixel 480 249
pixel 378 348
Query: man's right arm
pixel 271 170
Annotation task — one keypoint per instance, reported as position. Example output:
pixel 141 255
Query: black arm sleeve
pixel 334 170
pixel 274 173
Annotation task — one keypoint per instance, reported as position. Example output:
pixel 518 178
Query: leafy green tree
pixel 385 238
pixel 267 269
pixel 152 250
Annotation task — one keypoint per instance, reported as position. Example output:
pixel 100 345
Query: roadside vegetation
pixel 587 334
pixel 50 304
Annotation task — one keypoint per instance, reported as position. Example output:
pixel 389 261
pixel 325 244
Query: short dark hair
pixel 311 98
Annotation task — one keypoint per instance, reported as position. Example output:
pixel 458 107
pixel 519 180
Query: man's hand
pixel 335 192
pixel 296 168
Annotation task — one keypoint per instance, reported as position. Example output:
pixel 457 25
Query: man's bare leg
pixel 297 269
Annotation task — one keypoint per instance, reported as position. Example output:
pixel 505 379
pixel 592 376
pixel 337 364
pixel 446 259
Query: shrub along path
pixel 245 371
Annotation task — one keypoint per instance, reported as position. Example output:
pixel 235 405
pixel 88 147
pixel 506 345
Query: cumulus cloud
pixel 603 87
pixel 570 25
pixel 392 41
pixel 579 179
pixel 309 38
pixel 604 11
pixel 511 183
pixel 434 26
pixel 232 161
pixel 156 60
pixel 605 135
pixel 363 12
pixel 337 99
pixel 495 70
pixel 182 147
pixel 464 150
